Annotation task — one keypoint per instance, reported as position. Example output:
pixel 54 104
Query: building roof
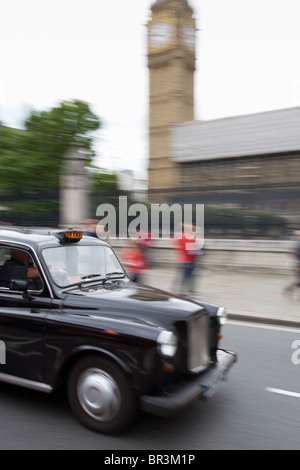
pixel 252 134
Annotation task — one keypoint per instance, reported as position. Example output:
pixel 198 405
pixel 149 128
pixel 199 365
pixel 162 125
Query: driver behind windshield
pixel 75 264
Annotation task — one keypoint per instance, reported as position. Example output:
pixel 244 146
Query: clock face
pixel 188 33
pixel 160 34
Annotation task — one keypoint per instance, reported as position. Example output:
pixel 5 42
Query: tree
pixel 31 159
pixel 50 134
pixel 12 172
pixel 104 188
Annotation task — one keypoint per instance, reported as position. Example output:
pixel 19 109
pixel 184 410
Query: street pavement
pixel 247 296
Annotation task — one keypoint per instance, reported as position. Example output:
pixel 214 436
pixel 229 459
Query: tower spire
pixel 171 62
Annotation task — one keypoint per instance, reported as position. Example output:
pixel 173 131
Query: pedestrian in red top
pixel 134 261
pixel 188 252
pixel 146 244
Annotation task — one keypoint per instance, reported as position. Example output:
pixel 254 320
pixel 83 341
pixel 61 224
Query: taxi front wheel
pixel 100 395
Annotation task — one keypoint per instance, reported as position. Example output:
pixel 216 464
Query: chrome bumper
pixel 202 387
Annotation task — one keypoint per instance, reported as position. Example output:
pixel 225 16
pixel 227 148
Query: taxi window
pixel 68 263
pixel 17 264
pixel 4 255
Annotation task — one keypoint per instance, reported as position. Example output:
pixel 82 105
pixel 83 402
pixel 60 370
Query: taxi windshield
pixel 75 264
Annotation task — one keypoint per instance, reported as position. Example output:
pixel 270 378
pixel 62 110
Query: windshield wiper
pixel 90 276
pixel 111 275
pixel 108 276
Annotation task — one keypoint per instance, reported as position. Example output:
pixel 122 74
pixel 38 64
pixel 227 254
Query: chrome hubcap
pixel 98 394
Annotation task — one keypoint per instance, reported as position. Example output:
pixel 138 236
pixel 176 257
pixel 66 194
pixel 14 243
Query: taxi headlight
pixel 222 315
pixel 167 343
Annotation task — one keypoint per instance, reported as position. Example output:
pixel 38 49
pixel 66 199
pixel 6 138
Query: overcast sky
pixel 51 50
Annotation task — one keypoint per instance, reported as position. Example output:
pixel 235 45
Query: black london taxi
pixel 70 317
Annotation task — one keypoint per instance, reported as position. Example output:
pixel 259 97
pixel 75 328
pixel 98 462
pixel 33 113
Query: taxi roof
pixel 41 238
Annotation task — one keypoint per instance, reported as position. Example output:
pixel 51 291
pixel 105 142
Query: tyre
pixel 100 395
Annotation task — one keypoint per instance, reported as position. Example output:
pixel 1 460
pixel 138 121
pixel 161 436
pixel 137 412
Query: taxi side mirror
pixel 20 285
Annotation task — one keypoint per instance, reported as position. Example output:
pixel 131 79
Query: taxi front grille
pixel 198 344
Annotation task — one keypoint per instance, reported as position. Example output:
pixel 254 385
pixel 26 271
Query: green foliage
pixel 104 189
pixel 20 207
pixel 12 172
pixel 31 159
pixel 51 134
pixel 103 180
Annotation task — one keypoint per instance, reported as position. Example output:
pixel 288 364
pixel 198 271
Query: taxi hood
pixel 131 300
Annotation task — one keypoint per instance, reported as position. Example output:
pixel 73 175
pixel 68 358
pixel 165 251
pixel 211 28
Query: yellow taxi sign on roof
pixel 74 234
pixel 67 236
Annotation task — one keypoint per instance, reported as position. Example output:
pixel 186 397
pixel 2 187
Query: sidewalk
pixel 245 295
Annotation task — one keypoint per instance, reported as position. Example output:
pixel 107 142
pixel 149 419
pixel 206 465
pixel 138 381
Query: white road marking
pixel 282 392
pixel 270 327
pixel 264 326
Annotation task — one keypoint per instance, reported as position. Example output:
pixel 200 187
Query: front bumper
pixel 203 386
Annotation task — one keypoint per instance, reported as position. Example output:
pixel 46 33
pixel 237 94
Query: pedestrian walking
pixel 188 252
pixel 146 244
pixel 134 261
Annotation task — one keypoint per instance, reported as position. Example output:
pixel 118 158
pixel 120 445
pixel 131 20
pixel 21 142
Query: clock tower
pixel 171 63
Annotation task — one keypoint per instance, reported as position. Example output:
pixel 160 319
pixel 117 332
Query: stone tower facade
pixel 171 63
